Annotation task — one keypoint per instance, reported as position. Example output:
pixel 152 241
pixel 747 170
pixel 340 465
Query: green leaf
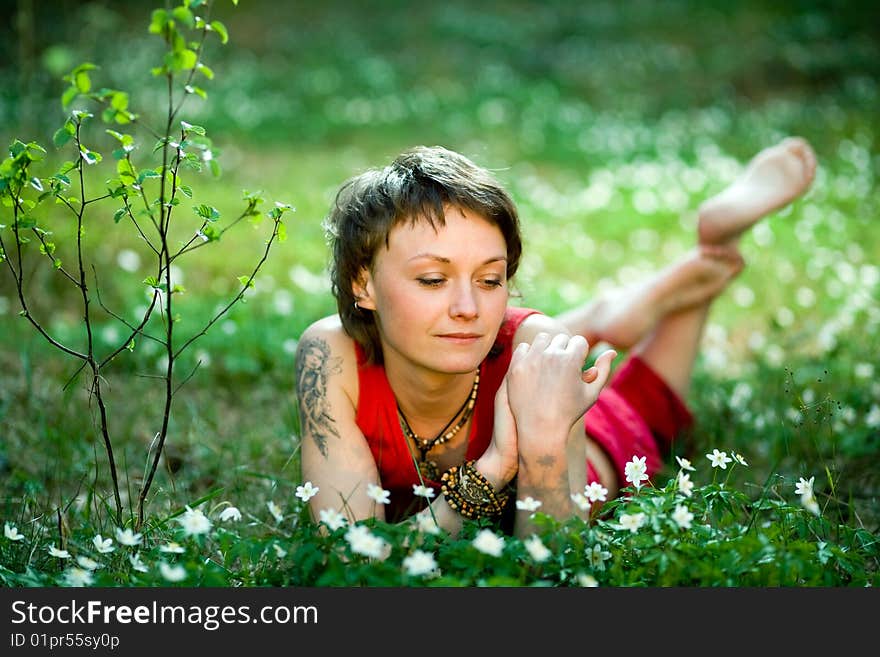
pixel 147 173
pixel 64 133
pixel 82 82
pixel 186 190
pixel 220 29
pixel 152 281
pixel 119 101
pixel 246 281
pixel 198 91
pixel 158 21
pixel 89 157
pixel 118 215
pixel 181 60
pixel 204 70
pixel 126 171
pixel 68 96
pixel 209 233
pixel 207 212
pixel 197 129
pixel 183 15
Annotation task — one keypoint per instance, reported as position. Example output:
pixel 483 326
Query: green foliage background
pixel 609 121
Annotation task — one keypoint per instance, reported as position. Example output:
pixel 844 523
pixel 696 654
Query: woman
pixel 427 384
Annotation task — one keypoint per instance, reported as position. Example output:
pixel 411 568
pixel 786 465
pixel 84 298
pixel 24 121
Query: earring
pixel 356 306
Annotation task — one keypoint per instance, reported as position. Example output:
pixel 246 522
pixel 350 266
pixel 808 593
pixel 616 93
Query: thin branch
pixel 237 296
pixel 135 330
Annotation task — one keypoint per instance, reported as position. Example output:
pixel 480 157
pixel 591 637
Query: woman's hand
pixel 500 460
pixel 548 391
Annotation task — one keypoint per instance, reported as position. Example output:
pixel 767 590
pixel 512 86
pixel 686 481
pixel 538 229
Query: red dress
pixel 636 414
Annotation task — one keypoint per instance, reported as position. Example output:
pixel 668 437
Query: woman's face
pixel 438 297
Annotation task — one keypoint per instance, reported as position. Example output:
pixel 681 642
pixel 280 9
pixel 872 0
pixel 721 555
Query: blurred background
pixel 609 121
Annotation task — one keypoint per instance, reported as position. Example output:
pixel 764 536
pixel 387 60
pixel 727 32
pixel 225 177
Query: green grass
pixel 609 129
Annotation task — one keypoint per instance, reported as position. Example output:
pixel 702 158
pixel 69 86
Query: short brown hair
pixel 416 186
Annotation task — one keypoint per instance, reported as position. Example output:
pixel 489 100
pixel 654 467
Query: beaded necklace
pixel 428 468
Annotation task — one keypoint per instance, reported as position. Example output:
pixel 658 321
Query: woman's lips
pixel 460 338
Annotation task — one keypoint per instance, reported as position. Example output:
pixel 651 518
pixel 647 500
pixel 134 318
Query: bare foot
pixel 624 317
pixel 773 179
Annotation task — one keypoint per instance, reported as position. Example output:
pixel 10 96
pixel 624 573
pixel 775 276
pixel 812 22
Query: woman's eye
pixel 430 282
pixel 491 282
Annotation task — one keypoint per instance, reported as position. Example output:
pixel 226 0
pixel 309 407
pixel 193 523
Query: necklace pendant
pixel 429 470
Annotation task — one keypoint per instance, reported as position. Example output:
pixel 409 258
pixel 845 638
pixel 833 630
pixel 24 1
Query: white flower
pixel 580 501
pixel 808 500
pixel 279 551
pixel 632 521
pixel 684 464
pixel 172 573
pixel 426 524
pixel 332 518
pixel 635 471
pixel 11 532
pixel 420 563
pixel 78 577
pixel 739 459
pixel 229 513
pixel 137 563
pixel 538 551
pixel 682 516
pixel 872 419
pixel 55 552
pixel 718 459
pixel 488 542
pixel 804 486
pixel 423 491
pixel 172 548
pixel 597 557
pixel 596 492
pixel 378 494
pixel 128 537
pixel 587 580
pixel 306 491
pixel 194 522
pixel 528 504
pixel 275 511
pixel 362 541
pixel 88 563
pixel 103 545
pixel 685 485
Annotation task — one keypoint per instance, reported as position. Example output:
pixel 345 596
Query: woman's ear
pixel 362 288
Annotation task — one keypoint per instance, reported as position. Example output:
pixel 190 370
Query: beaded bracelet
pixel 470 493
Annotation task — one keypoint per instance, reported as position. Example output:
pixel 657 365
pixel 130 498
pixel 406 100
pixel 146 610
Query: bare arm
pixel 549 395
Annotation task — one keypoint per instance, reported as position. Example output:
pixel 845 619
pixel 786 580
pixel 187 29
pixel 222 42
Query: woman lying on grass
pixel 429 394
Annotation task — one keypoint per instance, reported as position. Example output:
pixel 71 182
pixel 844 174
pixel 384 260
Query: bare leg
pixel 773 179
pixel 663 319
pixel 625 317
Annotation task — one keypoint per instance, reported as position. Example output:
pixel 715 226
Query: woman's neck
pixel 427 398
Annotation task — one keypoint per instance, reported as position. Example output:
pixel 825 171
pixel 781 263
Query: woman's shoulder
pixel 325 347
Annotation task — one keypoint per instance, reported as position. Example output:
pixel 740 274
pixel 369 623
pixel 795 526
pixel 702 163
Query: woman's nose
pixel 463 303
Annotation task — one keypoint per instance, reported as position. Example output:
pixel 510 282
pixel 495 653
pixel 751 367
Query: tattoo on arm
pixel 314 366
